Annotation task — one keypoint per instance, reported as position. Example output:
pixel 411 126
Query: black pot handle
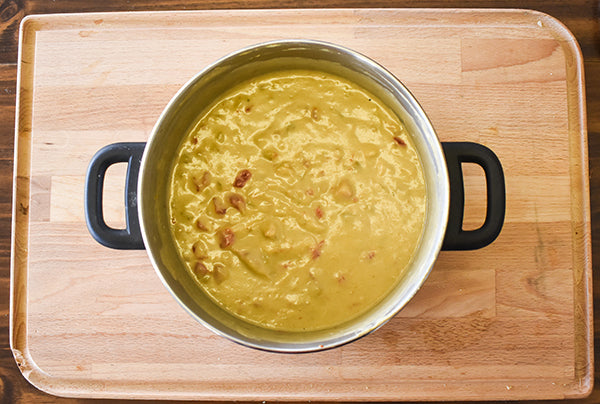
pixel 466 152
pixel 129 238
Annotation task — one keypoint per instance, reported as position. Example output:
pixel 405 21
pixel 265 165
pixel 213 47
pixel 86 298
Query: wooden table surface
pixel 580 16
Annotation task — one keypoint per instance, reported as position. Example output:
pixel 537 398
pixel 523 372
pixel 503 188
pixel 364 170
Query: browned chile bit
pixel 242 178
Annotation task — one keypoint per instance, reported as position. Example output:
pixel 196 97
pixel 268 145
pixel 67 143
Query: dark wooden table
pixel 582 17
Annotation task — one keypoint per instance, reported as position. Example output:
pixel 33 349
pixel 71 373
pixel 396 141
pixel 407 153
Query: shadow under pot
pixel 149 181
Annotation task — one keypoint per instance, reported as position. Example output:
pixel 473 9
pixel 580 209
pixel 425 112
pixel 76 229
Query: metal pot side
pixel 181 113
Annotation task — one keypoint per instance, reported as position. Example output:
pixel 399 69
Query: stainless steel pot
pixel 150 164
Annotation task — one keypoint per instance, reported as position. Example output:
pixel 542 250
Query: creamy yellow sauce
pixel 297 200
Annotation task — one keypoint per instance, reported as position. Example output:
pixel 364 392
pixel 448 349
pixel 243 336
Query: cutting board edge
pixel 583 270
pixel 507 390
pixel 76 20
pixel 20 194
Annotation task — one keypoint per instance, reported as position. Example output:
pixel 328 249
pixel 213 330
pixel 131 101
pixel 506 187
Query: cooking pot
pixel 150 164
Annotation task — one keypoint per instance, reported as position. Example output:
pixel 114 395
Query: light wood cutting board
pixel 510 321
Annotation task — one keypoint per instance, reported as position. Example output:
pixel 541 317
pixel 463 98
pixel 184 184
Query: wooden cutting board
pixel 510 321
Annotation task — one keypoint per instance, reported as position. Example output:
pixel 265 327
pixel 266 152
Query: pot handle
pixel 467 152
pixel 129 238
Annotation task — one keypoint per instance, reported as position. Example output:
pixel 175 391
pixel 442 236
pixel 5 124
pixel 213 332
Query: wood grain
pixel 578 15
pixel 478 322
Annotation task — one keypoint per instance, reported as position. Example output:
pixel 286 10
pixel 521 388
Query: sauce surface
pixel 297 200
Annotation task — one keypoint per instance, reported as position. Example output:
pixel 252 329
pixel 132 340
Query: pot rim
pixel 437 155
